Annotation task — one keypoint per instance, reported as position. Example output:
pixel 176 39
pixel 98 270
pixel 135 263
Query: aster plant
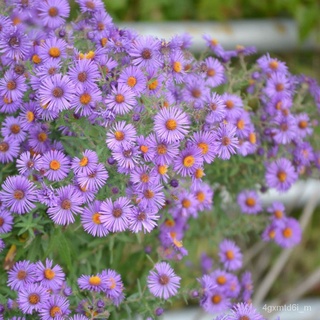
pixel 127 166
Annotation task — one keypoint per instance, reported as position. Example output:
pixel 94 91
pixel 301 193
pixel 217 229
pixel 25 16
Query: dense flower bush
pixel 127 165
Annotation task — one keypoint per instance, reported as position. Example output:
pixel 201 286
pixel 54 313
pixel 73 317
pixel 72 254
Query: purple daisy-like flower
pixel 49 277
pixel 114 215
pixel 278 211
pixel 47 195
pixel 91 5
pixel 52 49
pixel 55 308
pixel 270 65
pixel 214 45
pixel 206 142
pixel 278 84
pixel 9 149
pixel 11 128
pixel 56 92
pixel 214 72
pixel 303 125
pixel 56 165
pixel 249 202
pixel 95 179
pixel 188 161
pixel 303 154
pixel 53 12
pixel 145 52
pixel 127 158
pixel 244 311
pixel 21 274
pixel 114 285
pixel 215 300
pixel 121 134
pixel 247 286
pixel 152 196
pixel 134 78
pixel 171 124
pixel 69 201
pixel 280 174
pixel 142 176
pixel 12 86
pixel 230 255
pixel 18 194
pixel 288 233
pixel 285 130
pixel 234 105
pixel 6 221
pixel 14 44
pixel 96 283
pixel 84 73
pixel 31 297
pixel 163 282
pixel 203 194
pixel 176 66
pixel 121 99
pixel 90 219
pixel 86 164
pixel 216 108
pixel 143 219
pixel 226 141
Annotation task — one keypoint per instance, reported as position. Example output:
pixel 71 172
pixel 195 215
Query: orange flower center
pixel 119 135
pixel 84 161
pixel 186 203
pixel 273 64
pixel 171 124
pixel 85 98
pixel 188 161
pixel 163 169
pixel 144 149
pixel 282 176
pixel 278 214
pixel 161 149
pixel 53 12
pixel 18 194
pixel 200 196
pixel 55 165
pixel 34 298
pixel 250 202
pixel 149 194
pixel 153 84
pixel 221 280
pixel 57 92
pixel 204 147
pixel 131 82
pixel 272 234
pixel 95 280
pixel 96 218
pixel 303 124
pixel 230 255
pixel 11 85
pixel 119 98
pixel 279 87
pixel 113 283
pixel 240 124
pixel 49 274
pixel 36 59
pixel 229 104
pixel 30 116
pixel 66 204
pixel 21 275
pixel 211 72
pixel 196 93
pixel 177 67
pixel 199 173
pixel 252 138
pixel 4 146
pixel 54 311
pixel 144 178
pixel 287 233
pixel 54 52
pixel 42 136
pixel 216 299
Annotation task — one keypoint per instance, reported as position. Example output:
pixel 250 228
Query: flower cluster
pixel 106 133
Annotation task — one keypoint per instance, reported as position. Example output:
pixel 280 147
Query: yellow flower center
pixel 204 147
pixel 54 311
pixel 34 298
pixel 119 135
pixel 162 169
pixel 131 82
pixel 54 52
pixel 103 42
pixel 95 280
pixel 49 274
pixel 188 161
pixel 96 218
pixel 177 67
pixel 171 124
pixel 84 161
pixel 36 59
pixel 153 84
pixel 55 165
pixel 200 196
pixel 252 138
pixel 30 116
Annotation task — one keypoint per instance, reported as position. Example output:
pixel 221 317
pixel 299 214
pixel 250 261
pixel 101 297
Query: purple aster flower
pixel 93 283
pixel 52 49
pixel 214 72
pixel 55 164
pixel 230 255
pixel 8 105
pixel 220 278
pixel 188 161
pixel 234 105
pixel 84 73
pixel 249 202
pixel 69 201
pixel 278 211
pixel 216 107
pixel 21 274
pixel 162 152
pixel 206 142
pixel 11 128
pixel 32 297
pixel 56 92
pixel 56 307
pixel 303 154
pixel 18 194
pixel 244 311
pixel 243 124
pixel 203 194
pixel 114 285
pixel 171 124
pixel 114 215
pixel 12 86
pixel 95 179
pixel 215 300
pixel 285 130
pixel 151 197
pixel 247 286
pixel 176 66
pixel 214 45
pixel 278 84
pixel 227 142
pixel 288 233
pixel 49 277
pixel 121 135
pixel 28 163
pixel 47 195
pixel 270 65
pixel 85 100
pixel 143 219
pixel 186 204
pixel 90 219
pixel 14 44
pixel 91 5
pixel 195 91
pixel 269 232
pixel 53 12
pixel 163 282
pixel 9 149
pixel 6 221
pixel 233 287
pixel 86 164
pixel 145 52
pixel 121 99
pixel 303 125
pixel 134 78
pixel 155 82
pixel 280 174
pixel 127 158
